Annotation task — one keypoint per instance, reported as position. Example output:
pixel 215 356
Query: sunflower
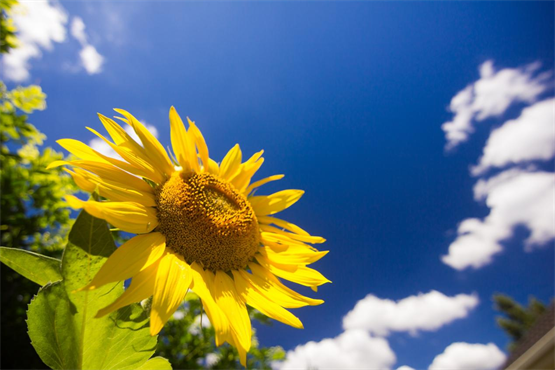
pixel 199 226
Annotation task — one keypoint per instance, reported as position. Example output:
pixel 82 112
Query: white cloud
pixel 101 146
pixel 490 96
pixel 78 30
pixel 427 312
pixel 466 356
pixel 353 349
pixel 529 137
pixel 91 59
pixel 40 24
pixel 516 197
pixel 362 344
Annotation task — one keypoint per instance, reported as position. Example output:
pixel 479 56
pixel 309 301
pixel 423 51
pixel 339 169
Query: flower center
pixel 207 221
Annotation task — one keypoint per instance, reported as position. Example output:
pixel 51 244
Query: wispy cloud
pixel 518 195
pixel 490 96
pixel 78 30
pixel 466 356
pixel 91 59
pixel 40 24
pixel 363 344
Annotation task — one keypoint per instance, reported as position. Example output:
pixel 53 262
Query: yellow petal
pixel 128 216
pixel 301 238
pixel 183 143
pixel 242 180
pixel 281 223
pixel 273 289
pixel 234 308
pixel 86 153
pixel 252 162
pixel 213 167
pixel 56 164
pixel 81 150
pixel 124 141
pixel 113 190
pixel 231 163
pixel 153 148
pixel 259 183
pixel 281 242
pixel 120 137
pixel 133 256
pixel 202 282
pixel 141 287
pixel 292 256
pixel 108 172
pixel 140 165
pixel 172 282
pixel 256 300
pixel 291 249
pixel 270 204
pixel 232 340
pixel 200 143
pixel 301 274
pixel 81 181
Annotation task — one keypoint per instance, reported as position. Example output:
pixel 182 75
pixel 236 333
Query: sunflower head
pixel 198 227
pixel 206 220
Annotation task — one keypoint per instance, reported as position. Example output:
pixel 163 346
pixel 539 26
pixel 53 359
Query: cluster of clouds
pixel 41 24
pixel 514 188
pixel 363 344
pixel 509 180
pixel 490 96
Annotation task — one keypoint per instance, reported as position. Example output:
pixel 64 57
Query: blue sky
pixel 348 100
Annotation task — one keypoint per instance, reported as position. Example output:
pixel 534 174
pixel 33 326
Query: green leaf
pixel 156 363
pixel 120 340
pixel 35 267
pixel 51 328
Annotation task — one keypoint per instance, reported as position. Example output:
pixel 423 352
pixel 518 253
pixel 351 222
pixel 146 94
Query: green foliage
pixel 188 341
pixel 35 267
pixel 518 319
pixel 27 99
pixel 8 40
pixel 34 215
pixel 62 324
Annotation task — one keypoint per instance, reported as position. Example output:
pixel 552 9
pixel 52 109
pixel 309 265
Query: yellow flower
pixel 199 227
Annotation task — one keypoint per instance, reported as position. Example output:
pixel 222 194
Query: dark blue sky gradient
pixel 347 99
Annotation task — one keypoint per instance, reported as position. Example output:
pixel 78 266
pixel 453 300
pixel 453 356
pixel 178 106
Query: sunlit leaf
pixel 35 267
pixel 51 327
pixel 156 363
pixel 120 340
